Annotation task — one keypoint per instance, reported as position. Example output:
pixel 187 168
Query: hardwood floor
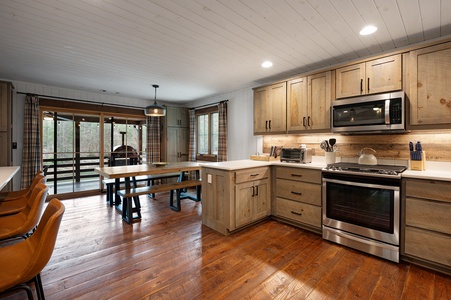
pixel 170 255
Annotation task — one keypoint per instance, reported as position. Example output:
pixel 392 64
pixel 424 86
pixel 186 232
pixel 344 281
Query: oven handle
pixel 368 185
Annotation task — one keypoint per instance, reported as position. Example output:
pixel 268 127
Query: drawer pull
pixel 296 193
pixel 296 175
pixel 296 213
pixel 253 175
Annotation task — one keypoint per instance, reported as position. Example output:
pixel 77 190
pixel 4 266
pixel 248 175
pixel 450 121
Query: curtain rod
pixel 79 100
pixel 210 104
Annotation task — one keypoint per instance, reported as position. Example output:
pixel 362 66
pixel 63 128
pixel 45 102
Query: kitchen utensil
pixel 367 159
pixel 324 145
pixel 332 143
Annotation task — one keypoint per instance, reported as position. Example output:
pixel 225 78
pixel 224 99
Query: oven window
pixel 362 206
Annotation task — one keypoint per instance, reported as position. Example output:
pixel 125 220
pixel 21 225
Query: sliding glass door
pixel 74 143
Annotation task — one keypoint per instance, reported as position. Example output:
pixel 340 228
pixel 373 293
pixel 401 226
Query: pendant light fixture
pixel 155 110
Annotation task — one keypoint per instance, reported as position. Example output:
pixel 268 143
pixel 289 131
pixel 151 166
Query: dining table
pixel 6 174
pixel 128 172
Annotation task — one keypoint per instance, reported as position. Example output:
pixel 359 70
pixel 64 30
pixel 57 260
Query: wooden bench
pixel 149 179
pixel 133 194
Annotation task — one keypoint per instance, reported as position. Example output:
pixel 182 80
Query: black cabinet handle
pixel 308 121
pixel 296 175
pixel 303 121
pixel 269 124
pixel 266 126
pixel 296 213
pixel 361 86
pixel 256 190
pixel 296 193
pixel 368 87
pixel 253 191
pixel 253 175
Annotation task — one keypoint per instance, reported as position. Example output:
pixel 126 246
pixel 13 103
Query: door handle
pixel 303 121
pixel 361 86
pixel 368 86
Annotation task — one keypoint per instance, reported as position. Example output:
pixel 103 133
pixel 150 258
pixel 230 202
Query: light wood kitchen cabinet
pixel 308 102
pixel 175 135
pixel 427 232
pixel 177 144
pixel 270 109
pixel 6 90
pixel 371 77
pixel 177 117
pixel 234 199
pixel 430 78
pixel 298 197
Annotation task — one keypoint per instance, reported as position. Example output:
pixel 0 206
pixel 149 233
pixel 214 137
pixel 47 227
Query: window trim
pixel 205 111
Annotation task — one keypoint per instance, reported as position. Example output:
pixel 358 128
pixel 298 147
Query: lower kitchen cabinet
pixel 298 197
pixel 427 230
pixel 233 199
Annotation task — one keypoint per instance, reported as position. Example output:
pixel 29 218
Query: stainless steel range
pixel 361 207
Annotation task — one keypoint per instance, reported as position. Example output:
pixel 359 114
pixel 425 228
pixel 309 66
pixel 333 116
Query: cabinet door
pixel 319 95
pixel 260 118
pixel 350 81
pixel 383 74
pixel 177 117
pixel 4 117
pixel 261 199
pixel 177 144
pixel 277 104
pixel 244 203
pixel 297 104
pixel 430 95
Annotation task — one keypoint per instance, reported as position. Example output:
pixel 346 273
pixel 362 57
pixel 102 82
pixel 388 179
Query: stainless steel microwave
pixel 383 113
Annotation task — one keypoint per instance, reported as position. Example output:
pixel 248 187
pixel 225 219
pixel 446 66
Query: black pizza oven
pixel 123 155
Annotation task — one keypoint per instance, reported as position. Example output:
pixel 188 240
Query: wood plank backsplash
pixel 393 146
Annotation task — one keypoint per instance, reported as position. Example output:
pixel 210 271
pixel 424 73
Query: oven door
pixel 366 209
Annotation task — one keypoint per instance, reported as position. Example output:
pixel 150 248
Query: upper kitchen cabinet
pixel 308 102
pixel 371 77
pixel 270 109
pixel 177 117
pixel 430 80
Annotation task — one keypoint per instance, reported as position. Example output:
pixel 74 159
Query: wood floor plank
pixel 171 255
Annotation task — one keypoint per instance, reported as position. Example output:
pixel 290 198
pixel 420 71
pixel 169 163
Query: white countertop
pixel 247 163
pixel 434 170
pixel 6 174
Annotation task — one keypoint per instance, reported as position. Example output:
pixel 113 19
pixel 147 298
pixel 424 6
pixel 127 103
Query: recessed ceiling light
pixel 267 64
pixel 368 30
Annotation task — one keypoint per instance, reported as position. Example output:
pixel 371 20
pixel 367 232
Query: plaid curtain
pixel 31 154
pixel 192 135
pixel 222 143
pixel 153 139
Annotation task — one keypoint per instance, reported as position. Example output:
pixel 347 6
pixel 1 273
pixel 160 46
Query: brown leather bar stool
pixel 23 262
pixel 22 223
pixel 11 205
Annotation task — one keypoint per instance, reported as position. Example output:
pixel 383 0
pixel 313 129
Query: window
pixel 207 135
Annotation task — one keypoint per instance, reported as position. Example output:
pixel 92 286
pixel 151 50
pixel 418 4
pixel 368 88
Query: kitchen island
pixel 238 194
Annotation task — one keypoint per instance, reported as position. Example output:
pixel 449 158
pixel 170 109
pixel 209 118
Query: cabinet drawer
pixel 299 212
pixel 299 174
pixel 428 215
pixel 299 191
pixel 251 174
pixel 429 189
pixel 428 245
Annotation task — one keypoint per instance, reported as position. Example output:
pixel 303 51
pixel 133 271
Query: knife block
pixel 419 165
